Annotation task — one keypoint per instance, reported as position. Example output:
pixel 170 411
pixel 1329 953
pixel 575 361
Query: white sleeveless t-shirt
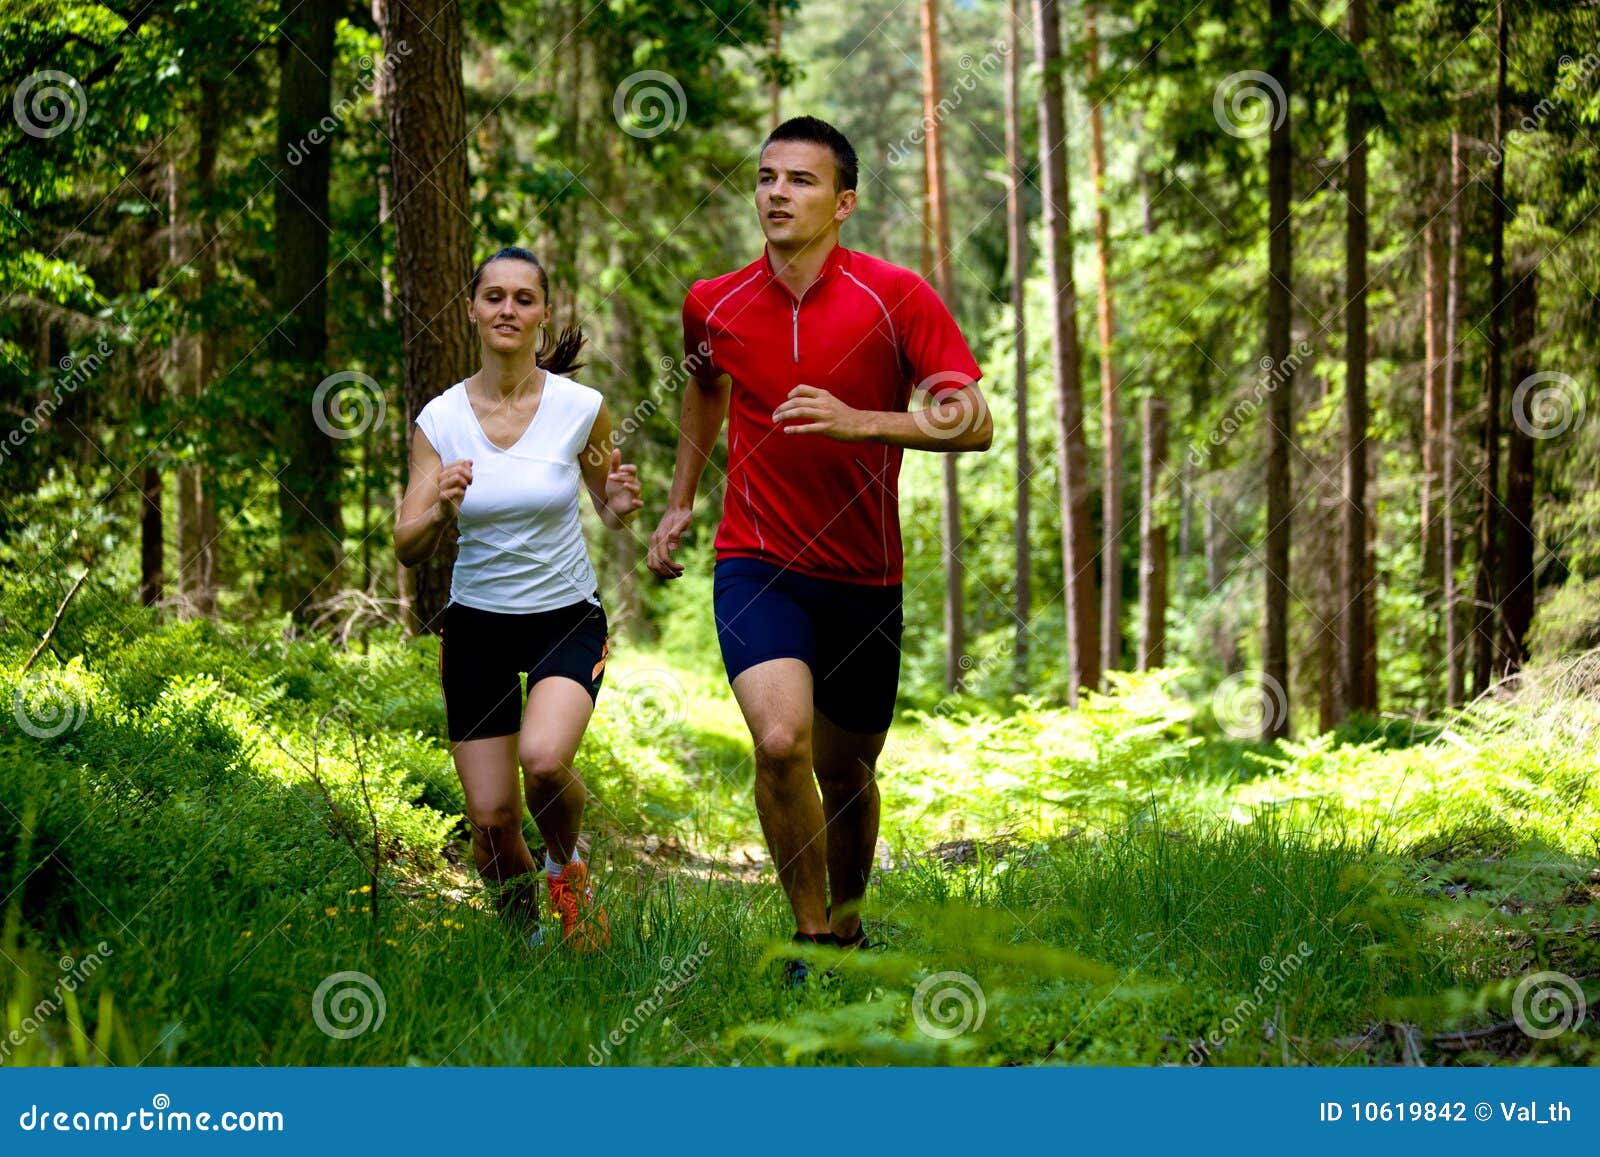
pixel 521 548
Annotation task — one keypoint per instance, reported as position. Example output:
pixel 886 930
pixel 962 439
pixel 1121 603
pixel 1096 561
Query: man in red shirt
pixel 812 353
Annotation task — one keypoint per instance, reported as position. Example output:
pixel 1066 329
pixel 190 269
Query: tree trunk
pixel 1110 412
pixel 1432 402
pixel 944 279
pixel 1454 659
pixel 1354 595
pixel 310 529
pixel 396 441
pixel 1077 554
pixel 433 237
pixel 1517 582
pixel 194 356
pixel 1152 515
pixel 1017 242
pixel 1280 406
pixel 1484 659
pixel 1153 535
pixel 775 46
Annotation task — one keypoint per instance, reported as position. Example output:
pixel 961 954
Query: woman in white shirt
pixel 499 457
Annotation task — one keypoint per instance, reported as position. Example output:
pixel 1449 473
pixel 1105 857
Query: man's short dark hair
pixel 820 132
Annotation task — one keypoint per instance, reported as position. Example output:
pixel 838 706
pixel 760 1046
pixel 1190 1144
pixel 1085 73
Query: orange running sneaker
pixel 583 922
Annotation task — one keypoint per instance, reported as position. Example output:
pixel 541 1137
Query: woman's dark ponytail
pixel 559 356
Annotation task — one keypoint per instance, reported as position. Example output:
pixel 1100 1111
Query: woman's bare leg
pixel 553 724
pixel 488 772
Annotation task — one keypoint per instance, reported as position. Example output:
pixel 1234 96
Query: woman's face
pixel 509 306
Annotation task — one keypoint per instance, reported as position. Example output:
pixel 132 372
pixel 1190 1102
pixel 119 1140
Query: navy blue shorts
pixel 483 655
pixel 847 633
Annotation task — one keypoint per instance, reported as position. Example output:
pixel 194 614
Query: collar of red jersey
pixel 836 257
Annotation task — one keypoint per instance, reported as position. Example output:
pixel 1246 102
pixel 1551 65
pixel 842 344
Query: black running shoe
pixel 797 972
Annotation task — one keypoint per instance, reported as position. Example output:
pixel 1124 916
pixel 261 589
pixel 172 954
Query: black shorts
pixel 847 633
pixel 483 654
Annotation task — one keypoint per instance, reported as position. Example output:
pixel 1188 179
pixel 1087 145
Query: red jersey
pixel 866 331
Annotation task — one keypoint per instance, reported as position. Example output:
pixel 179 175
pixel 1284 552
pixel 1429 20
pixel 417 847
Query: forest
pixel 1249 705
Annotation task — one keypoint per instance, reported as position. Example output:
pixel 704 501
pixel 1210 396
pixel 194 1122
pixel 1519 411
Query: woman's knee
pixel 544 766
pixel 496 820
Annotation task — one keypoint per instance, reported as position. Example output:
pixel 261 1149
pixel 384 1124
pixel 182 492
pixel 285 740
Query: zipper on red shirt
pixel 797 331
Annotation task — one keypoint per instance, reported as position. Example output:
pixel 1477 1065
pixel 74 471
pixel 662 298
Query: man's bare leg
pixel 775 698
pixel 846 767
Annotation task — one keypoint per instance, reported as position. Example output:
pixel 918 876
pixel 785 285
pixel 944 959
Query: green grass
pixel 1109 885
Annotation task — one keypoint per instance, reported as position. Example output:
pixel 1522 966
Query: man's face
pixel 797 193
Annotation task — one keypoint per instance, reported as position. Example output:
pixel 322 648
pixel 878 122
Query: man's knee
pixel 783 747
pixel 847 776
